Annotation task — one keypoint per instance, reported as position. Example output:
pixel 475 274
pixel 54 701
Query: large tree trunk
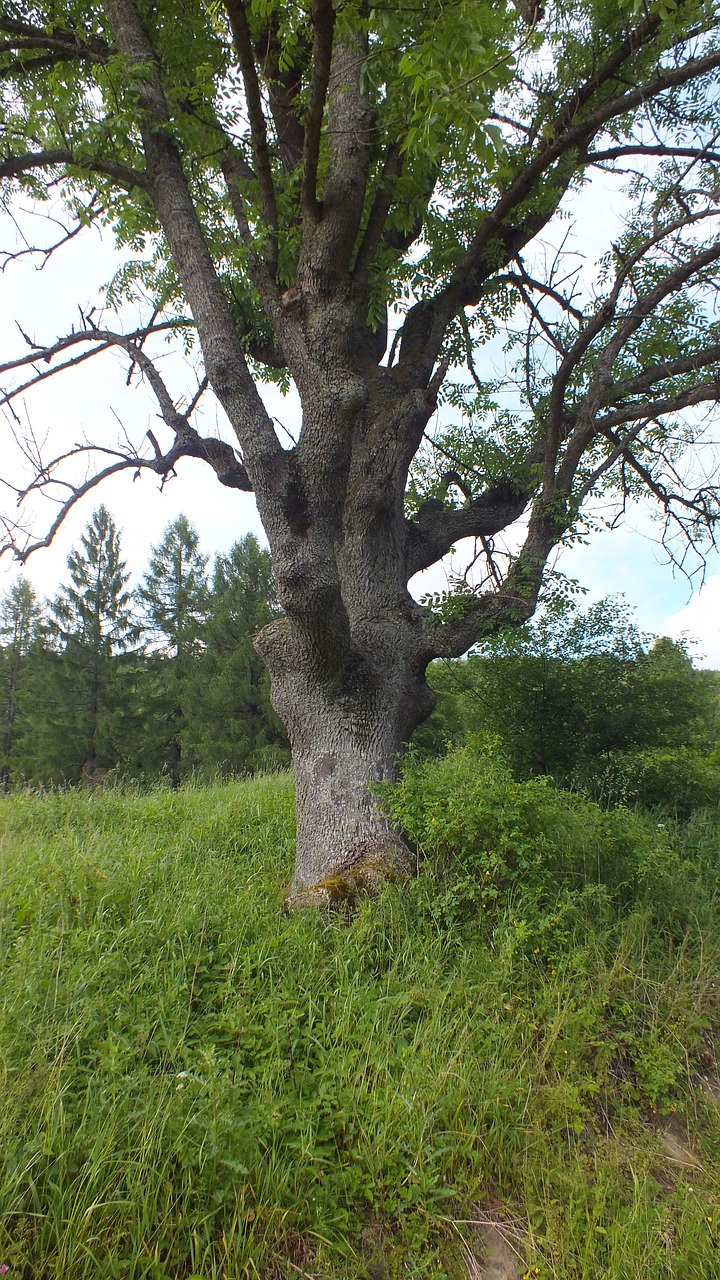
pixel 347 732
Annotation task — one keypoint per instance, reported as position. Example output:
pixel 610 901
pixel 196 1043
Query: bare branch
pixel 540 286
pixel 100 340
pixel 219 455
pixel 92 212
pixel 665 150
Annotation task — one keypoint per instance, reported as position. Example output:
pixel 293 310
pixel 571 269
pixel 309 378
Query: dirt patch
pixel 294 1255
pixel 493 1245
pixel 679 1160
pixel 374 1247
pixel 675 1143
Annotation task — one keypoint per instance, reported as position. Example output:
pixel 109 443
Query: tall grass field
pixel 509 1063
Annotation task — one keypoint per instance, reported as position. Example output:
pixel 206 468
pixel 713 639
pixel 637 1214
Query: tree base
pixel 369 864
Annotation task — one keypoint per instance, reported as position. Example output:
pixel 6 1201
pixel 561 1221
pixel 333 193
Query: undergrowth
pixel 194 1084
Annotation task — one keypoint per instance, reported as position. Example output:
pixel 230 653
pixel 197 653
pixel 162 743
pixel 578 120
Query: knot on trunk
pixel 370 863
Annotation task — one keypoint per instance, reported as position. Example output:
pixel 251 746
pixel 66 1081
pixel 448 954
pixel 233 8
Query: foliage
pixel 680 780
pixel 196 1085
pixel 496 845
pixel 279 220
pixel 577 693
pixel 174 599
pixel 20 617
pixel 234 727
pixel 75 698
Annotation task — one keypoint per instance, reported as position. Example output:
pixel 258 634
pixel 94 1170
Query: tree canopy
pixel 257 159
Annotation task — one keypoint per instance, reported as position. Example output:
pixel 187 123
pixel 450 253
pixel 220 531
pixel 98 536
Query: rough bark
pixel 342 748
pixel 350 690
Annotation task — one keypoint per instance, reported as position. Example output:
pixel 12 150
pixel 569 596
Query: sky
pixel 95 402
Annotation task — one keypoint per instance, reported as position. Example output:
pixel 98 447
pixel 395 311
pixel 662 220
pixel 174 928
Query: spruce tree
pixel 20 616
pixel 236 727
pixel 174 601
pixel 91 628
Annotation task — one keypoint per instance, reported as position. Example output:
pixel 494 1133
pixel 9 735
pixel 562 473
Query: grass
pixel 195 1085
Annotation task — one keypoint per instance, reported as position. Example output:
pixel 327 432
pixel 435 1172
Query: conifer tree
pixel 236 726
pixel 174 602
pixel 20 616
pixel 91 627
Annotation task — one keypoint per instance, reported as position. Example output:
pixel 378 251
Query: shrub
pixel 677 780
pixel 494 846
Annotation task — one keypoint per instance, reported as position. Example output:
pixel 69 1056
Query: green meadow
pixel 521 1042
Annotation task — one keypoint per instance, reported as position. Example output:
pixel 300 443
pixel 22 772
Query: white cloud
pixel 699 622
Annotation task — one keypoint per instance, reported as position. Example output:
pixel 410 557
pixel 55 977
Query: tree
pixel 233 723
pixel 295 181
pixel 20 618
pixel 565 693
pixel 91 624
pixel 174 600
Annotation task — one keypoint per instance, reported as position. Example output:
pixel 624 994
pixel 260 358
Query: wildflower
pixel 4 1268
pixel 710 1219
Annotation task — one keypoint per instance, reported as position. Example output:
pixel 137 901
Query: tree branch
pixel 601 381
pixel 13 165
pixel 640 149
pixel 225 361
pixel 92 211
pixel 323 18
pixel 435 529
pixel 219 455
pixel 65 44
pixel 659 372
pixel 101 339
pixel 283 88
pixel 237 15
pixel 427 321
pixel 391 170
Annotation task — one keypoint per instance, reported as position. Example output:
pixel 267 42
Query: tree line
pixel 164 681
pixel 161 681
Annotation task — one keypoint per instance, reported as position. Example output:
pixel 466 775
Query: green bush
pixel 677 780
pixel 497 848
